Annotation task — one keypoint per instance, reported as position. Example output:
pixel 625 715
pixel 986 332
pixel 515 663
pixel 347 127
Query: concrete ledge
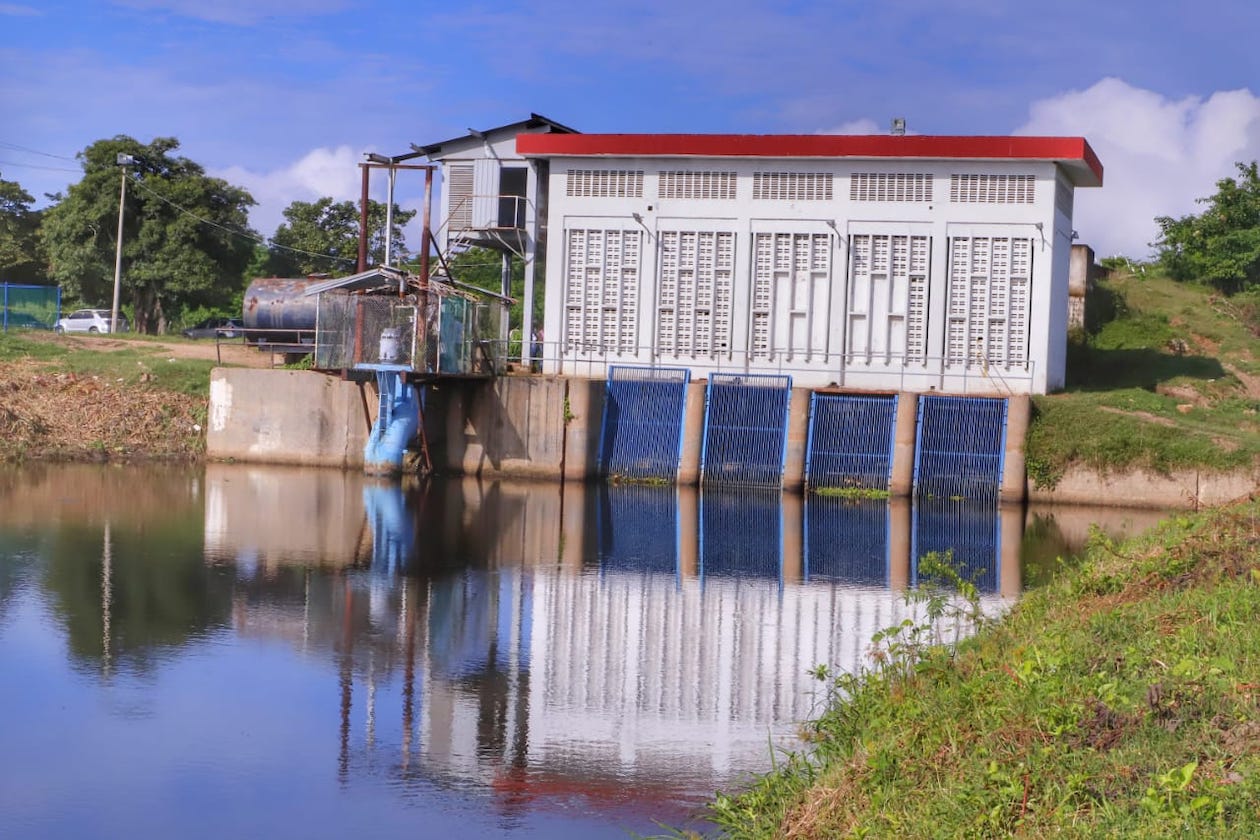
pixel 1186 489
pixel 288 417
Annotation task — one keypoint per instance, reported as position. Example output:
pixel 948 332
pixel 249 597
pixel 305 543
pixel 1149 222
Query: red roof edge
pixel 1072 152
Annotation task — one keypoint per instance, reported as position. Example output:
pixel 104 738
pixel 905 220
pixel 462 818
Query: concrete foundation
pixel 549 427
pixel 288 417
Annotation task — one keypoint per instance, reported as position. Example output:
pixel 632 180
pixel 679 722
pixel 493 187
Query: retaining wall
pixel 288 417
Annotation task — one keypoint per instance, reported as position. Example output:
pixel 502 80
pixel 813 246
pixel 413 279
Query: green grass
pixel 1120 700
pixel 851 492
pixel 135 364
pixel 1161 382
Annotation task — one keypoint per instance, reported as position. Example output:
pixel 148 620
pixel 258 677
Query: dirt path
pixel 230 353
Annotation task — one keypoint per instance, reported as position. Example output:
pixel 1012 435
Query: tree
pixel 186 239
pixel 328 233
pixel 483 268
pixel 21 252
pixel 1221 245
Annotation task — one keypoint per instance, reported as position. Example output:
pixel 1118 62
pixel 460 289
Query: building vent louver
pixel 992 189
pixel 604 183
pixel 792 186
pixel 890 186
pixel 701 185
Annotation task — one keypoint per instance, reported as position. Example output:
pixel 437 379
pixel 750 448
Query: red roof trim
pixel 1065 150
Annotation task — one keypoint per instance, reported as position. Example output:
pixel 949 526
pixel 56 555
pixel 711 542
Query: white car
pixel 89 320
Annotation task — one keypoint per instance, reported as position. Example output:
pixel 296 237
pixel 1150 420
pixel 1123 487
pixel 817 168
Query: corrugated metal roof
pixel 534 121
pixel 380 277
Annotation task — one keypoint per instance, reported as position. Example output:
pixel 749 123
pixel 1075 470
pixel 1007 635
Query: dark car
pixel 216 328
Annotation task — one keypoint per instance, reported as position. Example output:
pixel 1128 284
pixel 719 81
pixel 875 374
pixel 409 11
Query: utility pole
pixel 123 160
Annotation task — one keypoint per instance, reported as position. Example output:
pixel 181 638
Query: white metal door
pixel 886 312
pixel 790 296
pixel 601 312
pixel 694 301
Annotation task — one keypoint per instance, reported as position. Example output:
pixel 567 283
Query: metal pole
pixel 122 198
pixel 389 216
pixel 363 221
pixel 426 235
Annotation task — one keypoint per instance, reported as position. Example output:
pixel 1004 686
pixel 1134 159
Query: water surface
pixel 242 651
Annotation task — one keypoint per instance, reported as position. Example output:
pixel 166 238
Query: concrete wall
pixel 519 426
pixel 288 417
pixel 1189 489
pixel 549 428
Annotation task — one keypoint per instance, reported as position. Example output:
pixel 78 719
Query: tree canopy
pixel 328 231
pixel 182 235
pixel 1221 245
pixel 21 251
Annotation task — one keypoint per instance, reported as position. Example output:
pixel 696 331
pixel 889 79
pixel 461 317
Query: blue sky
pixel 284 96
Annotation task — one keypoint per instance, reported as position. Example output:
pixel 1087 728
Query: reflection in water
pixel 524 659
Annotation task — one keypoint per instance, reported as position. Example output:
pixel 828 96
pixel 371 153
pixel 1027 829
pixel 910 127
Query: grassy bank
pixel 1164 378
pixel 71 398
pixel 1122 699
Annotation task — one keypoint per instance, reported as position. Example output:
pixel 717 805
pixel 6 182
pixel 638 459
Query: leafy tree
pixel 1221 245
pixel 21 252
pixel 330 230
pixel 483 268
pixel 185 236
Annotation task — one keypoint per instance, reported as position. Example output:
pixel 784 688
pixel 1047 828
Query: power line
pixel 15 147
pixel 36 166
pixel 260 240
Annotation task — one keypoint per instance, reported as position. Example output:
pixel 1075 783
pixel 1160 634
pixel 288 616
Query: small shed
pixel 387 316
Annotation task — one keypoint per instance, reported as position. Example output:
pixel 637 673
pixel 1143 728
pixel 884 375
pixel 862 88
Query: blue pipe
pixel 395 426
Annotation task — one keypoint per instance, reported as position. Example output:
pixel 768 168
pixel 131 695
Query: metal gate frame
pixel 771 434
pixel 659 429
pixel 849 442
pixel 959 472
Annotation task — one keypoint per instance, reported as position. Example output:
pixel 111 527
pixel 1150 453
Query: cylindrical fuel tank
pixel 276 310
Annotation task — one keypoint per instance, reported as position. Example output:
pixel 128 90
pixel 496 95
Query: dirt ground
pixel 231 353
pixel 50 414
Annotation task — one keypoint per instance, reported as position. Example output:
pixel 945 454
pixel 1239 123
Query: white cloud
pixel 16 10
pixel 332 172
pixel 1158 154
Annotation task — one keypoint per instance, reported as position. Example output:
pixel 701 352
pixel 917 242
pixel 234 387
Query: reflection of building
pixel 632 652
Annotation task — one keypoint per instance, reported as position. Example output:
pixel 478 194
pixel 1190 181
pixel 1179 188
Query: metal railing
pixel 851 371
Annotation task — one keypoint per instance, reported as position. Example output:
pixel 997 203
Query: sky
pixel 283 97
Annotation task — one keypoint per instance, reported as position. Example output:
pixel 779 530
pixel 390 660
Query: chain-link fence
pixel 29 307
pixel 429 332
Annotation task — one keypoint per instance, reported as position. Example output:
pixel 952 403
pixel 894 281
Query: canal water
pixel 233 651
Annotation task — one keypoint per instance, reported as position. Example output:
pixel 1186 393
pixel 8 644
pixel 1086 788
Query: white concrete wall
pixel 649 216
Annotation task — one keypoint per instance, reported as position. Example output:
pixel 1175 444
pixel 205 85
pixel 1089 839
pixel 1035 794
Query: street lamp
pixel 124 161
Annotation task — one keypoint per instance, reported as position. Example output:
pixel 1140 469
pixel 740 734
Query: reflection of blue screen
pixel 741 532
pixel 846 540
pixel 970 531
pixel 638 528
